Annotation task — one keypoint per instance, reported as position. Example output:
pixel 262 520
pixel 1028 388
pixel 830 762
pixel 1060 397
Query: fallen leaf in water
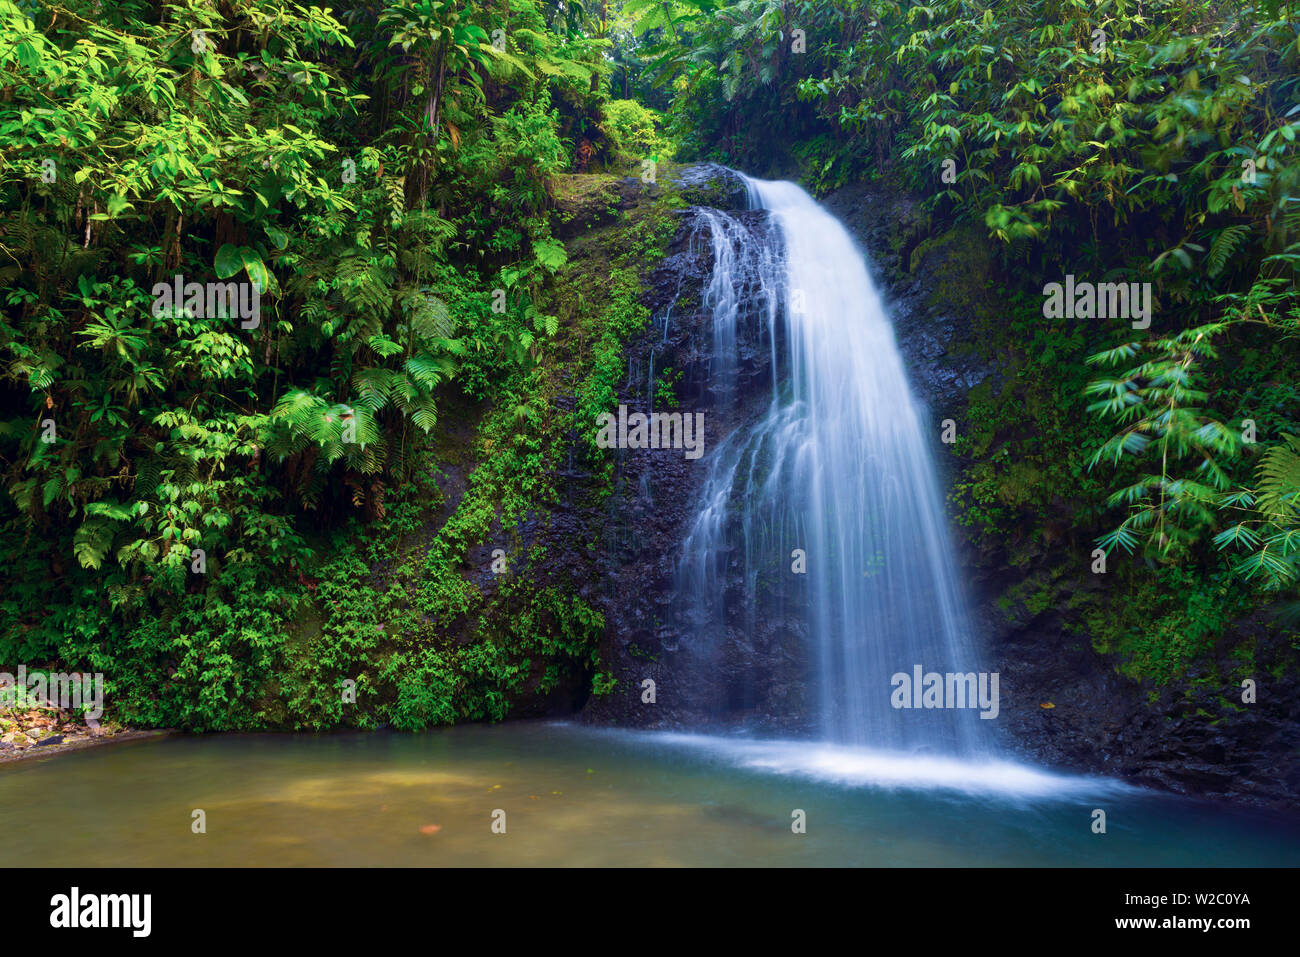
pixel 430 828
pixel 1048 705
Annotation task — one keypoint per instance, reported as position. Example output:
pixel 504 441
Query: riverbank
pixel 41 732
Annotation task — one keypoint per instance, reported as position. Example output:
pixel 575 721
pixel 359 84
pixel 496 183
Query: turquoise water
pixel 579 796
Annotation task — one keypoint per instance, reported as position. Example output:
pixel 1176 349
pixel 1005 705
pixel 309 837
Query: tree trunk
pixel 432 107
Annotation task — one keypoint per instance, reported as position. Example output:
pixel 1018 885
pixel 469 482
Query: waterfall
pixel 837 470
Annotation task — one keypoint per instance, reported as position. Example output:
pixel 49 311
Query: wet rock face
pixel 751 673
pixel 1062 703
pixel 1104 723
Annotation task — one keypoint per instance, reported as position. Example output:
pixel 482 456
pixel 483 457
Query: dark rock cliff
pixel 752 676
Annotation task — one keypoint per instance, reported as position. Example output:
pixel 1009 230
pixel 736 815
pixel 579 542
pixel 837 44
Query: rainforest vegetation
pixel 233 517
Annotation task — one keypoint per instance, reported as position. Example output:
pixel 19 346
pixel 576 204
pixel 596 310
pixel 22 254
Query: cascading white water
pixel 838 467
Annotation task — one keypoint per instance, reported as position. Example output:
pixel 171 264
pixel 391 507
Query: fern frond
pixel 1227 242
pixel 1279 481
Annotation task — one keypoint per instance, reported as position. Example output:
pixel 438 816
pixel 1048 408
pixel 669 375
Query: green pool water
pixel 573 795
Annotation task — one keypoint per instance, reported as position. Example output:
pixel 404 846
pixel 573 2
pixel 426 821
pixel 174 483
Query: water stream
pixel 836 476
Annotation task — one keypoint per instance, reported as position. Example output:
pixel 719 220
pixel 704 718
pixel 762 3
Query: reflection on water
pixel 577 796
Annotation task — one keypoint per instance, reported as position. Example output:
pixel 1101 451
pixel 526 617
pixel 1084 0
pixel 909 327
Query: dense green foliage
pixel 221 511
pixel 232 515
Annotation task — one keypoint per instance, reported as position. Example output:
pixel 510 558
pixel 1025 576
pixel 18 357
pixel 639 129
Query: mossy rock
pixel 588 200
pixel 964 257
pixel 707 184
